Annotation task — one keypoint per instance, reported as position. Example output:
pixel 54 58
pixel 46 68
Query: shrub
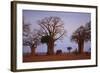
pixel 59 52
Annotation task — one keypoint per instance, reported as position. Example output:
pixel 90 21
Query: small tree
pixel 69 49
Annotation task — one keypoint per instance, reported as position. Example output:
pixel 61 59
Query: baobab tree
pixel 52 29
pixel 81 35
pixel 30 38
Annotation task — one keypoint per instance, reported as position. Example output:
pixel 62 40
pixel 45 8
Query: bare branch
pixel 60 36
pixel 52 26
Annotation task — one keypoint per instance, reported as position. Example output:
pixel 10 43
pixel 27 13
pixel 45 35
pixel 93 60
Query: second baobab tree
pixel 82 35
pixel 52 29
pixel 31 39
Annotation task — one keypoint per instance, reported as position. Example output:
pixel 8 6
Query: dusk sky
pixel 71 20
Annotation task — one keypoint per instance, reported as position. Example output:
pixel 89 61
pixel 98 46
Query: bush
pixel 59 52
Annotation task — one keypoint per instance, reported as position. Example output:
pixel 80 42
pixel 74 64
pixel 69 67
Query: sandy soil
pixel 56 57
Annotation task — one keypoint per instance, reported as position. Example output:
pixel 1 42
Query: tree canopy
pixel 52 26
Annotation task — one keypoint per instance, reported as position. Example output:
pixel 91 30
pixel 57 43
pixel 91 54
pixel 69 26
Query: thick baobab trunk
pixel 81 47
pixel 33 50
pixel 50 46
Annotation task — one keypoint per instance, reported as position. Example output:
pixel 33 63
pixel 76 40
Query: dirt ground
pixel 56 57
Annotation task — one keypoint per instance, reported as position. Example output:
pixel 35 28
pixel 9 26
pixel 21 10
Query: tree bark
pixel 50 46
pixel 81 47
pixel 33 50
